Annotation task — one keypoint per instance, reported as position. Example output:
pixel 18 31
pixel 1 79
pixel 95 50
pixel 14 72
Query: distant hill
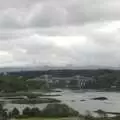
pixel 37 68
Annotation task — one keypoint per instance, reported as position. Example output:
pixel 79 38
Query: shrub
pixel 58 110
pixel 3 112
pixel 102 113
pixel 15 113
pixel 27 111
pixel 35 112
pixel 52 110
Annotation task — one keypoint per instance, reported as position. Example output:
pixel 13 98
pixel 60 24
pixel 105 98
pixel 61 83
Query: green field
pixel 40 119
pixel 48 119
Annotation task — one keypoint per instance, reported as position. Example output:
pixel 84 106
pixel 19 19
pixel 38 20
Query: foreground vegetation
pixel 51 111
pixel 50 119
pixel 35 101
pixel 74 118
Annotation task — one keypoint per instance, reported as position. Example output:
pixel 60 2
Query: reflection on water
pixel 82 102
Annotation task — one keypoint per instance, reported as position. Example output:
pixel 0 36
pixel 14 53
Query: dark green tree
pixel 15 113
pixel 35 112
pixel 3 113
pixel 27 111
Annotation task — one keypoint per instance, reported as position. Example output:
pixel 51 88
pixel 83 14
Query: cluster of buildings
pixel 64 82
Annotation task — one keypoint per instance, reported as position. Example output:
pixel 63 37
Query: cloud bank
pixel 59 32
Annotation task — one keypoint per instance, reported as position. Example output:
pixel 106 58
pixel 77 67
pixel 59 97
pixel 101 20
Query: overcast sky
pixel 59 32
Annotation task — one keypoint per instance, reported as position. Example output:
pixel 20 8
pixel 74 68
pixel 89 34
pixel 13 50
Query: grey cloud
pixel 75 12
pixel 17 3
pixel 57 13
pixel 41 52
pixel 48 15
pixel 14 34
pixel 28 32
pixel 105 39
pixel 37 50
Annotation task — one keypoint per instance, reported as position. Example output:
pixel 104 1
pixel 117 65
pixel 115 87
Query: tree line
pixel 17 81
